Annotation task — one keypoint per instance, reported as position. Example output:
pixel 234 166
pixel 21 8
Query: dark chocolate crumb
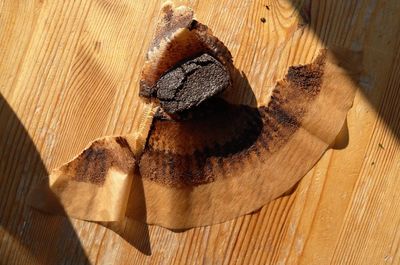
pixel 267 7
pixel 263 20
pixel 191 83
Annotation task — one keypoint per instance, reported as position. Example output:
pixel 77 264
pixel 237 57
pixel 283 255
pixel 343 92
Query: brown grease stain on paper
pixel 93 164
pixel 198 151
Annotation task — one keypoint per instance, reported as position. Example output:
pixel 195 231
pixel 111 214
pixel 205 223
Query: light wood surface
pixel 69 73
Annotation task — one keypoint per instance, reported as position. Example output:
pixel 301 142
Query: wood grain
pixel 69 74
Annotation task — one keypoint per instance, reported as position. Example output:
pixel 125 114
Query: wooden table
pixel 69 73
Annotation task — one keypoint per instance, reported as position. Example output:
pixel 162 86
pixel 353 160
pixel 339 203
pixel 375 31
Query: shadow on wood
pixel 380 49
pixel 243 93
pixel 342 139
pixel 20 167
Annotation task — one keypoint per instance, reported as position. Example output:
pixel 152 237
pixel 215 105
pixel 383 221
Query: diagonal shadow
pixel 26 234
pixel 384 97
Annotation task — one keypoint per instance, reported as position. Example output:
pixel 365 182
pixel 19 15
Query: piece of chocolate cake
pixel 190 83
